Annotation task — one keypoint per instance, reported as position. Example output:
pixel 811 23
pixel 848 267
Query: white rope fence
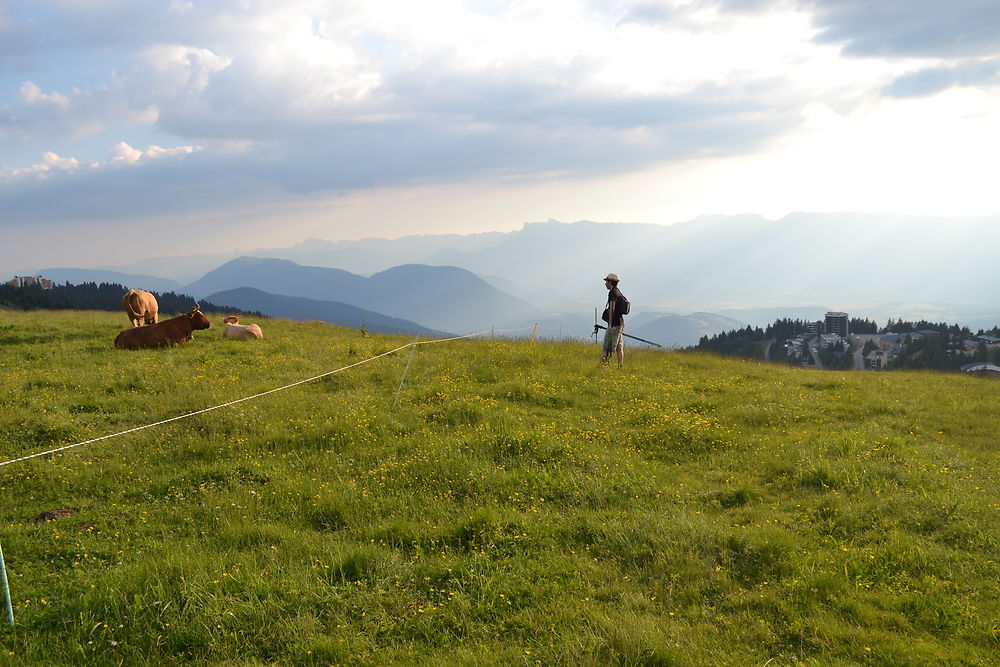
pixel 249 398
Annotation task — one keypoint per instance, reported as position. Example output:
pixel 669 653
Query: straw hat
pixel 613 277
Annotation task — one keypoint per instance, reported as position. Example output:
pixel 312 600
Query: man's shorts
pixel 613 339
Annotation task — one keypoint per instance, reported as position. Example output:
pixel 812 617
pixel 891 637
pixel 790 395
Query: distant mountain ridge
pixel 439 298
pixel 277 276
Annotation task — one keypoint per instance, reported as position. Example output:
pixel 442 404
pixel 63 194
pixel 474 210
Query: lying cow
pixel 240 331
pixel 140 306
pixel 174 331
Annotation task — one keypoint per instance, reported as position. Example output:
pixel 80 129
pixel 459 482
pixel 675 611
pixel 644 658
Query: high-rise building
pixel 836 323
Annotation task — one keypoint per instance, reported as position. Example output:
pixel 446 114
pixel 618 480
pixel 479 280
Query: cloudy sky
pixel 140 128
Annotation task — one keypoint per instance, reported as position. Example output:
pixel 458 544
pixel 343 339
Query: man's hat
pixel 612 277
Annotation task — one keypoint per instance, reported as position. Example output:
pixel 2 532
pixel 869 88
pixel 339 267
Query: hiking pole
pixel 599 326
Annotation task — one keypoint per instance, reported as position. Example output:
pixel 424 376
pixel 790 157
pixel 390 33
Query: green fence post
pixel 6 590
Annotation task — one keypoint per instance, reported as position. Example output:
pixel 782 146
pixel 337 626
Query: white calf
pixel 240 331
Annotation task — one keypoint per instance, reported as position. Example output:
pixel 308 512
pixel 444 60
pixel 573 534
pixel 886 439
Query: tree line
pixel 93 296
pixel 751 342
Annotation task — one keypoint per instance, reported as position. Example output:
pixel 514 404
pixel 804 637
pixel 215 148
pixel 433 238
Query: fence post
pixel 6 590
pixel 532 341
pixel 413 348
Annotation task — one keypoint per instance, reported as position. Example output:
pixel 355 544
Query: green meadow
pixel 514 504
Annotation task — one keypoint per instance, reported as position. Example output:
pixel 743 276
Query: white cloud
pixel 33 95
pixel 121 154
pixel 50 163
pixel 57 116
pixel 156 152
pixel 179 68
pixel 124 153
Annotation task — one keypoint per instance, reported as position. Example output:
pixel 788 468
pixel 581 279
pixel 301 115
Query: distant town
pixel 880 350
pixel 29 281
pixel 841 343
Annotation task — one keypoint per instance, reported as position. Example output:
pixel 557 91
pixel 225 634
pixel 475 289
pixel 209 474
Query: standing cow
pixel 140 306
pixel 174 331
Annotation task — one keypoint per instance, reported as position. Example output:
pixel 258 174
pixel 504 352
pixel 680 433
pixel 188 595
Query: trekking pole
pixel 649 342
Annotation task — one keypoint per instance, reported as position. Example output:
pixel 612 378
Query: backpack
pixel 622 307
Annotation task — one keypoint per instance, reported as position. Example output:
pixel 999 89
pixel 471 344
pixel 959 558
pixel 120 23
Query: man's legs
pixel 620 346
pixel 613 343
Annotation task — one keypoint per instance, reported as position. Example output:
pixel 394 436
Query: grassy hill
pixel 519 505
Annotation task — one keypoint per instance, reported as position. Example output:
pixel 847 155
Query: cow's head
pixel 198 319
pixel 231 319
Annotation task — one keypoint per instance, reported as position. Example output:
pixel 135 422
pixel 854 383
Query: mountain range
pixel 879 265
pixel 744 269
pixel 442 298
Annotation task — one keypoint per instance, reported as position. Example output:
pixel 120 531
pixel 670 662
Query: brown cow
pixel 169 332
pixel 140 306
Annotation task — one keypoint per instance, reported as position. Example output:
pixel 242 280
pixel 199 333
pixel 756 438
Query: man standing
pixel 613 315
